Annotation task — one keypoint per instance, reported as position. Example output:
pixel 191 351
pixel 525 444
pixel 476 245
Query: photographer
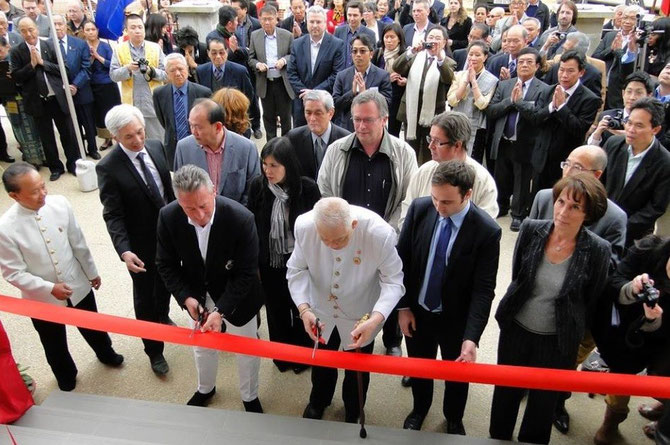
pixel 553 39
pixel 139 66
pixel 629 329
pixel 611 122
pixel 657 37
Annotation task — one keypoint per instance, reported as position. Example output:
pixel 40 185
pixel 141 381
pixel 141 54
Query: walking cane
pixel 359 376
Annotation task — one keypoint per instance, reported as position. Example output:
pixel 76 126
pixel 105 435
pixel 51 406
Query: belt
pixel 272 79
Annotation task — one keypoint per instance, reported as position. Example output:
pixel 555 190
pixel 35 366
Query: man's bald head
pixel 587 158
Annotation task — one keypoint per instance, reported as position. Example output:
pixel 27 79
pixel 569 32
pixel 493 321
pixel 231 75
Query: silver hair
pixel 316 9
pixel 597 154
pixel 498 9
pixel 3 17
pixel 372 96
pixel 524 33
pixel 320 96
pixel 175 57
pixel 62 17
pixel 582 41
pixel 77 3
pixel 120 116
pixel 532 19
pixel 333 213
pixel 190 178
pixel 425 2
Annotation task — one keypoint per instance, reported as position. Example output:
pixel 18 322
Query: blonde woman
pixel 458 25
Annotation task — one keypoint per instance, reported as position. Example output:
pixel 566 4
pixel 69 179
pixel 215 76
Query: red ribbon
pixel 517 376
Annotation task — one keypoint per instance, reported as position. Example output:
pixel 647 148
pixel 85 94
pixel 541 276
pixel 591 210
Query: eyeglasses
pixel 364 120
pixel 432 141
pixel 578 167
pixel 360 51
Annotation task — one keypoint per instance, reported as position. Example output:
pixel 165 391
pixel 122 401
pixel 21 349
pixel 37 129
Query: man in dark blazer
pixel 226 31
pixel 231 160
pixel 35 68
pixel 269 53
pixel 352 28
pixel 13 37
pixel 311 141
pixel 207 256
pixel 221 72
pixel 479 31
pixel 363 75
pixel 77 57
pixel 638 169
pixel 504 65
pixel 434 12
pixel 569 109
pixel 540 11
pixel 449 249
pixel 135 184
pixel 421 21
pixel 178 92
pixel 315 61
pixel 296 23
pixel 512 114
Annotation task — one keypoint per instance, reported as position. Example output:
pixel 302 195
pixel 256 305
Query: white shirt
pixel 271 55
pixel 635 160
pixel 202 233
pixel 150 165
pixel 343 285
pixel 314 50
pixel 419 35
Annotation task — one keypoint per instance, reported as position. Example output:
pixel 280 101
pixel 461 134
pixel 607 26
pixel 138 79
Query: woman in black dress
pixel 393 40
pixel 277 198
pixel 458 25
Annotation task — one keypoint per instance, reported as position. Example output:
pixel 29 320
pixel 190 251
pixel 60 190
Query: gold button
pixel 336 286
pixel 52 252
pixel 58 271
pixel 39 218
pixel 337 274
pixel 43 229
pixel 335 316
pixel 56 262
pixel 48 241
pixel 338 259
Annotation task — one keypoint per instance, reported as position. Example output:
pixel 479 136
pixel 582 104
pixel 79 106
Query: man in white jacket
pixel 345 277
pixel 45 256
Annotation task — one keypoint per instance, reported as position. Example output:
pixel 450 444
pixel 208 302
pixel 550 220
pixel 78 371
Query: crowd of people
pixel 407 128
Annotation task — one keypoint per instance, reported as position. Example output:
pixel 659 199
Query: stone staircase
pixel 75 418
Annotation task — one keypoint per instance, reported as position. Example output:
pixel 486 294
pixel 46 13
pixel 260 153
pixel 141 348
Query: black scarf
pixel 223 31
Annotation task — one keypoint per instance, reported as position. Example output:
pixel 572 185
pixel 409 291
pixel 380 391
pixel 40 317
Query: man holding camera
pixel 611 122
pixel 553 39
pixel 139 66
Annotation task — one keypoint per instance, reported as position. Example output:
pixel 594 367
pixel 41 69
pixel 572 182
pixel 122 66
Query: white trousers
pixel 207 362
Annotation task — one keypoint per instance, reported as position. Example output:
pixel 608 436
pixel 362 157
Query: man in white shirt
pixel 345 277
pixel 45 256
pixel 449 134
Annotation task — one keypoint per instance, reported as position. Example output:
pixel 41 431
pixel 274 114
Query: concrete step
pixel 165 423
pixel 37 436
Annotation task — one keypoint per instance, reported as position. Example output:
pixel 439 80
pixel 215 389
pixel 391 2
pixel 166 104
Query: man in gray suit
pixel 230 159
pixel 33 11
pixel 13 37
pixel 611 227
pixel 269 54
pixel 174 101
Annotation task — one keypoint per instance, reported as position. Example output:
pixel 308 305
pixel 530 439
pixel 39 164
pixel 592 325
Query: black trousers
pixel 276 103
pixel 325 379
pixel 54 115
pixel 391 335
pixel 151 301
pixel 54 342
pixel 284 326
pixel 513 176
pixel 420 145
pixel 86 120
pixel 519 347
pixel 481 149
pixel 430 333
pixel 298 113
pixel 3 142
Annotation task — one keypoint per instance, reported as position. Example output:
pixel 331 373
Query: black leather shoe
pixel 299 367
pixel 502 212
pixel 68 384
pixel 413 421
pixel 113 360
pixel 394 351
pixel 455 427
pixel 313 412
pixel 55 176
pixel 254 406
pixel 561 418
pixel 94 155
pixel 159 365
pixel 7 158
pixel 406 381
pixel 200 399
pixel 516 224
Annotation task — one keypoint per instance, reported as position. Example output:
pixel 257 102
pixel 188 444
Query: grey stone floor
pixel 283 394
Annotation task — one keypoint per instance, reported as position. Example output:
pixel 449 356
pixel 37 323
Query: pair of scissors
pixel 316 329
pixel 203 313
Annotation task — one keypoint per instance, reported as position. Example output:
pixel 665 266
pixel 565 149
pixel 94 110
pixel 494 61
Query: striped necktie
pixel 181 124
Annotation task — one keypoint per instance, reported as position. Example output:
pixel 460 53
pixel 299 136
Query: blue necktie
pixel 512 68
pixel 62 48
pixel 154 191
pixel 181 124
pixel 433 297
pixel 218 74
pixel 512 117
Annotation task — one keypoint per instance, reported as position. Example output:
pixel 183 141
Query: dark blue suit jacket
pixel 341 33
pixel 329 62
pixel 461 56
pixel 409 30
pixel 78 61
pixel 496 62
pixel 234 75
pixel 343 96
